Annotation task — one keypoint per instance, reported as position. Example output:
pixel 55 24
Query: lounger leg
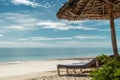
pixel 81 70
pixel 67 71
pixel 74 70
pixel 58 70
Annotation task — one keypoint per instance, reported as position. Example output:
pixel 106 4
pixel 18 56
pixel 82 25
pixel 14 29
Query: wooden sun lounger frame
pixel 94 63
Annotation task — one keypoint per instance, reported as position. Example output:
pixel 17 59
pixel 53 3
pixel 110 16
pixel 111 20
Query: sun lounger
pixel 94 63
pixel 90 64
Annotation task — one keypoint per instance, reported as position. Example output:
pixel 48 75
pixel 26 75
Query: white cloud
pixel 17 27
pixel 85 44
pixel 22 44
pixel 28 21
pixel 116 28
pixel 16 21
pixel 73 22
pixel 46 38
pixel 22 39
pixel 73 25
pixel 30 3
pixel 25 2
pixel 66 25
pixel 103 29
pixel 90 37
pixel 82 28
pixel 53 25
pixel 1 35
pixel 80 37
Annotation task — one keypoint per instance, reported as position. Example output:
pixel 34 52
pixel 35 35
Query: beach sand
pixel 36 70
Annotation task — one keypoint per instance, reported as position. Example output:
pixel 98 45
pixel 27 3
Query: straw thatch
pixel 89 9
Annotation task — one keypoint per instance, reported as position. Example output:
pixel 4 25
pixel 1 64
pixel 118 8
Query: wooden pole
pixel 113 33
pixel 58 70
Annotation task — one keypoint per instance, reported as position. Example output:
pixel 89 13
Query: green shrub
pixel 103 58
pixel 109 71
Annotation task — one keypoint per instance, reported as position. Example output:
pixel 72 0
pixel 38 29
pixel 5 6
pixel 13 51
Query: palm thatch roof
pixel 89 9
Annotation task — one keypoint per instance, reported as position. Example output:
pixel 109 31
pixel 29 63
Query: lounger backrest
pixel 95 63
pixel 92 63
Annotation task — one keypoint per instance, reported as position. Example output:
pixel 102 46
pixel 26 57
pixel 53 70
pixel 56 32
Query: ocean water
pixel 26 54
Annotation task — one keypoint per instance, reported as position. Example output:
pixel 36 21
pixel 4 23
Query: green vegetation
pixel 109 71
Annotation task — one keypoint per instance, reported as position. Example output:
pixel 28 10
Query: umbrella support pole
pixel 113 32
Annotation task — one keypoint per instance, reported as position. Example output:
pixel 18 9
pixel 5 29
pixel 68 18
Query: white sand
pixel 29 67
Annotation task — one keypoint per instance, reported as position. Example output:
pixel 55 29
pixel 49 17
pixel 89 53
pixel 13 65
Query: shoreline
pixel 18 61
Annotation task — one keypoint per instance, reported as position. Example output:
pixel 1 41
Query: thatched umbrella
pixel 93 9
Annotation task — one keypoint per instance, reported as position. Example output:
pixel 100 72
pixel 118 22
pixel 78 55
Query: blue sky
pixel 33 23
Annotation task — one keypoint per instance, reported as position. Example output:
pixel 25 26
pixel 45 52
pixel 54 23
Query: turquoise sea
pixel 25 54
